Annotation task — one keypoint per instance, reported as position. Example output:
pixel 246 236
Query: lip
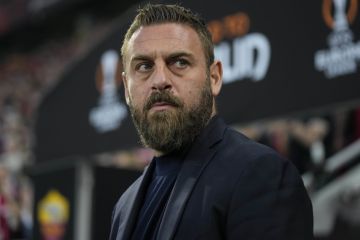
pixel 161 106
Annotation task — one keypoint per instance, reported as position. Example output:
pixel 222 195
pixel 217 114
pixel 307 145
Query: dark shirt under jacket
pixel 157 194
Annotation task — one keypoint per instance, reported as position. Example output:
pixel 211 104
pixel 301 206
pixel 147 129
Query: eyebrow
pixel 180 54
pixel 142 57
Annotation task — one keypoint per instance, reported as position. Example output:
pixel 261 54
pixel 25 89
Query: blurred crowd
pixel 24 77
pixel 309 141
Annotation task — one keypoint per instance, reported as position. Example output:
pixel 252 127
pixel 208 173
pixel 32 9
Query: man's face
pixel 168 86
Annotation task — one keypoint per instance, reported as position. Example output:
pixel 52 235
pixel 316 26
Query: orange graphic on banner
pixel 53 215
pixel 230 26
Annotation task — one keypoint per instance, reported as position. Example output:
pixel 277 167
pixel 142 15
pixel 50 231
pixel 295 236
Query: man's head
pixel 158 13
pixel 170 76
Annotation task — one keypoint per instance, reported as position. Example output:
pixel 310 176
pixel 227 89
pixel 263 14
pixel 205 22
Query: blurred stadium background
pixel 67 144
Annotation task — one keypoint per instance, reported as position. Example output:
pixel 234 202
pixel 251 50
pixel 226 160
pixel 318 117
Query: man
pixel 206 181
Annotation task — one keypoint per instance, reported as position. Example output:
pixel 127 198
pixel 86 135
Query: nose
pixel 161 78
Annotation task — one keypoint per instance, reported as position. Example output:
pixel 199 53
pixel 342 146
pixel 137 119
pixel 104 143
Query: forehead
pixel 164 38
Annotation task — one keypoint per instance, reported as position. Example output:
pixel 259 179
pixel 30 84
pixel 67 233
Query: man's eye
pixel 181 63
pixel 143 67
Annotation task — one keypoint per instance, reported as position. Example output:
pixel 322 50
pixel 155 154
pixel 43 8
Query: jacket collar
pixel 200 154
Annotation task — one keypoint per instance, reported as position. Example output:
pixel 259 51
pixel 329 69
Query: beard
pixel 176 128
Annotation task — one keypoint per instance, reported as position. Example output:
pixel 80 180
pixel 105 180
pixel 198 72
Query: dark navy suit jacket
pixel 229 187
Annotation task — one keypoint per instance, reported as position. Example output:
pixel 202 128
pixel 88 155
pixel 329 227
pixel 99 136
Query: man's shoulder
pixel 239 154
pixel 129 193
pixel 229 139
pixel 237 144
pixel 234 149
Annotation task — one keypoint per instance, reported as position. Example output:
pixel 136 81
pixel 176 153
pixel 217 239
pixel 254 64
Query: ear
pixel 216 72
pixel 126 90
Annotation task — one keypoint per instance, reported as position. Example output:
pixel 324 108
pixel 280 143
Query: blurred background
pixel 68 148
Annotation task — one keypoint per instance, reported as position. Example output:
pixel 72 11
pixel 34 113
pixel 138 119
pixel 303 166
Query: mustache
pixel 162 96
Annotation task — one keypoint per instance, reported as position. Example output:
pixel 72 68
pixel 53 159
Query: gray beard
pixel 174 129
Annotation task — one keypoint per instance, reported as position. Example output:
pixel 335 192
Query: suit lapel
pixel 135 198
pixel 198 157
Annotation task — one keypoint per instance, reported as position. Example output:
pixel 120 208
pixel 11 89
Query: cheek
pixel 137 96
pixel 192 97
